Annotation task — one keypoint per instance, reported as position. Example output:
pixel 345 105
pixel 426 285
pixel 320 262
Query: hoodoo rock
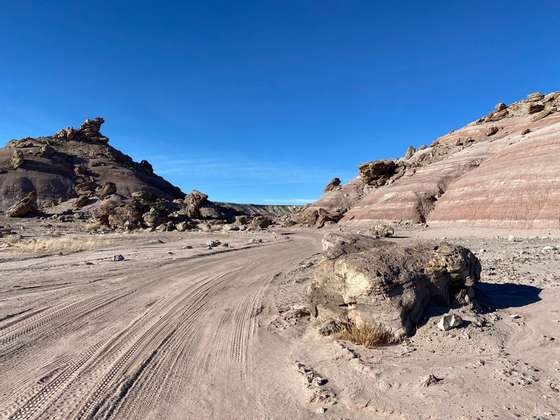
pixel 194 202
pixel 501 170
pixel 333 185
pixel 366 282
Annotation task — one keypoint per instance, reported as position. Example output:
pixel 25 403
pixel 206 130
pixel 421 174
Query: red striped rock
pixel 517 187
pixel 501 170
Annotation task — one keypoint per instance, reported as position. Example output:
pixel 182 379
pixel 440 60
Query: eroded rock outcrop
pixel 317 216
pixel 74 163
pixel 194 202
pixel 366 281
pixel 378 172
pixel 77 171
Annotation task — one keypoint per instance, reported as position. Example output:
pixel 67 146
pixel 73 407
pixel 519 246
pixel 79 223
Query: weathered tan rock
pixel 193 203
pixel 106 190
pixel 387 285
pixel 449 321
pixel 85 188
pixel 25 206
pixel 492 130
pixel 409 152
pixel 81 201
pixel 259 222
pixel 500 107
pixel 334 184
pixel 17 159
pixel 317 216
pixel 378 172
pixel 125 217
pixel 152 218
pixel 381 230
pixel 535 96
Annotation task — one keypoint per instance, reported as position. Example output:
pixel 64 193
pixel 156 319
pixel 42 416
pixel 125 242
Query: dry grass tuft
pixel 93 226
pixel 60 244
pixel 365 335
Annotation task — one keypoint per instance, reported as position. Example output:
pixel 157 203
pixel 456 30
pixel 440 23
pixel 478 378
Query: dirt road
pixel 157 335
pixel 179 331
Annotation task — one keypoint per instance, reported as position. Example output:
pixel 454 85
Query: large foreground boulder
pixel 364 281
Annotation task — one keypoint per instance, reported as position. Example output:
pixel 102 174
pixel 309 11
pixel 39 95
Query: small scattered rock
pixel 381 231
pixel 431 380
pixel 330 327
pixel 118 257
pixel 213 243
pixel 449 321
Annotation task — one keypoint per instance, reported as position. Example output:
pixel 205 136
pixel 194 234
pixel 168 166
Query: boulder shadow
pixel 507 295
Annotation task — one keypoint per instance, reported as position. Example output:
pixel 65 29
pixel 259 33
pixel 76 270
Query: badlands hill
pixel 73 163
pixel 76 170
pixel 502 170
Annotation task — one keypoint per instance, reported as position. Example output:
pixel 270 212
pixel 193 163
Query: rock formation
pixel 194 202
pixel 78 171
pixel 73 163
pixel 500 171
pixel 366 281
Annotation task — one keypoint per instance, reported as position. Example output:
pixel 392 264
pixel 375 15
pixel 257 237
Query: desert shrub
pixel 366 335
pixel 61 244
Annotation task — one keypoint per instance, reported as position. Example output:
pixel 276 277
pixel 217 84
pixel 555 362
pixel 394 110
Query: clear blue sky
pixel 265 101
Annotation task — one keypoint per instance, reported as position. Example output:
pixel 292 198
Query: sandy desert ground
pixel 180 331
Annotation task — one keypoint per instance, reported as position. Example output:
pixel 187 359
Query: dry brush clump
pixel 59 244
pixel 367 335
